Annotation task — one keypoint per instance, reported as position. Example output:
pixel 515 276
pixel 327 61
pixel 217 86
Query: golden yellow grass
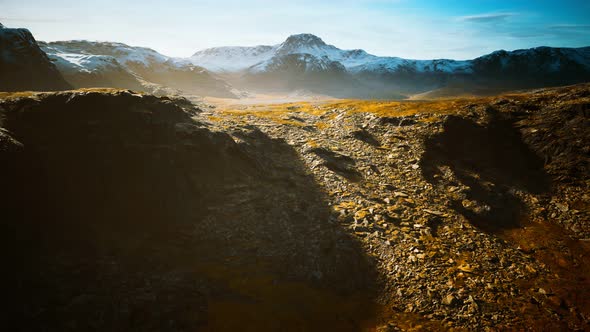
pixel 388 108
pixel 19 94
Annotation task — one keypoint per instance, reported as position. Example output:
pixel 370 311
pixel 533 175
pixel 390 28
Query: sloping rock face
pixel 24 66
pixel 559 133
pixel 125 212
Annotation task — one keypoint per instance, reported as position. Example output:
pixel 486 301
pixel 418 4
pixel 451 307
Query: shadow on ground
pixel 492 160
pixel 339 164
pixel 124 214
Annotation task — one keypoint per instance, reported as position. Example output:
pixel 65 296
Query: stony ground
pixel 129 212
pixel 476 211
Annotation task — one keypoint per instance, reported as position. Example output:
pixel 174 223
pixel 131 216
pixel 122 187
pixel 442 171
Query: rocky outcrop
pixel 24 66
pixel 127 212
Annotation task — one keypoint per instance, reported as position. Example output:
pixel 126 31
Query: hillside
pixel 126 211
pixel 24 66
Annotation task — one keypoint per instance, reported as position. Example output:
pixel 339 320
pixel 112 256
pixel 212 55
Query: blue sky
pixel 418 29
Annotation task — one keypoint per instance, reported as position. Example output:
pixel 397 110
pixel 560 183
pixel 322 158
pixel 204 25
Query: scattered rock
pixel 450 300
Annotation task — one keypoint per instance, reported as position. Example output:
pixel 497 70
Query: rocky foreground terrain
pixel 125 211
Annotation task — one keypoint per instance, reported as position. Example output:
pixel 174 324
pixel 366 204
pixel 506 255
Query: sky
pixel 415 29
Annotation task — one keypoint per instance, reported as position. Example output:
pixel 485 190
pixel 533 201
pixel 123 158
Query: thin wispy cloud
pixel 571 27
pixel 487 18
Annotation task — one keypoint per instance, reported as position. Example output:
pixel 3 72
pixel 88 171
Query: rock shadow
pixel 125 215
pixel 492 160
pixel 339 164
pixel 365 136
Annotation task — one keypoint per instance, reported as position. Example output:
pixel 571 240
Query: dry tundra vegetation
pixel 455 214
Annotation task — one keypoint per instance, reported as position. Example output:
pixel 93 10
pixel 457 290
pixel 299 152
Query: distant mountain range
pixel 301 62
pixel 305 61
pixel 224 59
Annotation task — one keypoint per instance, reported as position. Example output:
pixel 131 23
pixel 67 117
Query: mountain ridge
pixel 355 59
pixel 306 61
pixel 112 64
pixel 23 65
pixel 369 76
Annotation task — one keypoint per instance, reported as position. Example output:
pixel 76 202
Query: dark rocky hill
pixel 122 212
pixel 24 66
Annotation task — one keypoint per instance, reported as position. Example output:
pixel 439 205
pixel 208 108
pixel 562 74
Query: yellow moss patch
pixel 213 118
pixel 430 119
pixel 321 125
pixel 312 143
pixel 10 95
pixel 345 205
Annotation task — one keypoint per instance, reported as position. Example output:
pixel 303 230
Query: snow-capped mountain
pixel 88 63
pixel 24 66
pixel 304 59
pixel 232 59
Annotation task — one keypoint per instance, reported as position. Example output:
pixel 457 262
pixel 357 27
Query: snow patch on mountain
pixel 393 64
pixel 302 62
pixel 69 63
pixel 83 63
pixel 232 58
pixel 123 53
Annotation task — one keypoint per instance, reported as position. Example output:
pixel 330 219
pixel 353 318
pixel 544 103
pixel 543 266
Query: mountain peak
pixel 305 43
pixel 306 39
pixel 2 26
